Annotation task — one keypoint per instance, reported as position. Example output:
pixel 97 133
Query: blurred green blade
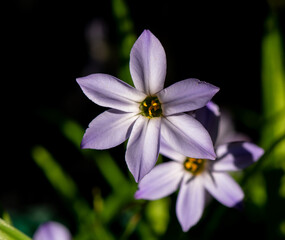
pixel 89 224
pixel 111 171
pixel 273 85
pixel 127 36
pixel 157 213
pixel 8 232
pixel 55 174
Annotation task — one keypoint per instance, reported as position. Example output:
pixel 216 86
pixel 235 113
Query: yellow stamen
pixel 195 166
pixel 188 165
pixel 149 111
pixel 153 103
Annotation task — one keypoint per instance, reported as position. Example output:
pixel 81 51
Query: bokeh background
pixel 236 45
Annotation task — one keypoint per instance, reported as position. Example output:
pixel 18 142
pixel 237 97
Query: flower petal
pixel 222 187
pixel 187 136
pixel 108 130
pixel 161 181
pixel 186 95
pixel 209 116
pixel 190 202
pixel 148 64
pixel 52 231
pixel 108 91
pixel 227 132
pixel 237 155
pixel 143 146
pixel 169 152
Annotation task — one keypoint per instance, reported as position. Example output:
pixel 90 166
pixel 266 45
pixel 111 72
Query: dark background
pixel 215 41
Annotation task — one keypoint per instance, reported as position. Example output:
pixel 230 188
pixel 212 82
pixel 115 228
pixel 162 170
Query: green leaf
pixel 89 224
pixel 273 85
pixel 157 213
pixel 55 174
pixel 127 37
pixel 7 232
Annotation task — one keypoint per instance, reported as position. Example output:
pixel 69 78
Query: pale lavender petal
pixel 169 152
pixel 109 129
pixel 161 181
pixel 148 64
pixel 236 156
pixel 227 132
pixel 190 202
pixel 187 136
pixel 143 146
pixel 186 95
pixel 209 116
pixel 52 231
pixel 108 91
pixel 222 187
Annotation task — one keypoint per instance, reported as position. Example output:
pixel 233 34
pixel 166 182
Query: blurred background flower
pixel 52 231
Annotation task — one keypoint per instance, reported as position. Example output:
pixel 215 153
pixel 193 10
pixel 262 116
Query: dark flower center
pixel 195 166
pixel 151 107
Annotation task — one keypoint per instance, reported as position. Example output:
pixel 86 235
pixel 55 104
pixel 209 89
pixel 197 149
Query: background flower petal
pixel 187 136
pixel 186 95
pixel 236 156
pixel 190 202
pixel 227 132
pixel 169 152
pixel 161 181
pixel 209 116
pixel 108 91
pixel 108 130
pixel 143 146
pixel 148 63
pixel 52 231
pixel 222 187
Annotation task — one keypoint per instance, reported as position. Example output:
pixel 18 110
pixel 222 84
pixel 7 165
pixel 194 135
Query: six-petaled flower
pixel 195 175
pixel 149 112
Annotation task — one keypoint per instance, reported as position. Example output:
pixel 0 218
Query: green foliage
pixel 273 86
pixel 7 232
pixel 127 38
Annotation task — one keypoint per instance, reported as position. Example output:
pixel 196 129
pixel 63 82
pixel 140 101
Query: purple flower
pixel 145 113
pixel 52 231
pixel 195 176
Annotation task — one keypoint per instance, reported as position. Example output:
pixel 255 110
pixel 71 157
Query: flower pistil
pixel 151 107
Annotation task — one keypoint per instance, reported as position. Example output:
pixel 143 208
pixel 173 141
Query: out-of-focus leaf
pixel 7 232
pixel 282 228
pixel 111 171
pixel 89 224
pixel 127 37
pixel 55 174
pixel 132 224
pixel 282 187
pixel 255 190
pixel 145 231
pixel 157 213
pixel 273 86
pixel 7 218
pixel 72 131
